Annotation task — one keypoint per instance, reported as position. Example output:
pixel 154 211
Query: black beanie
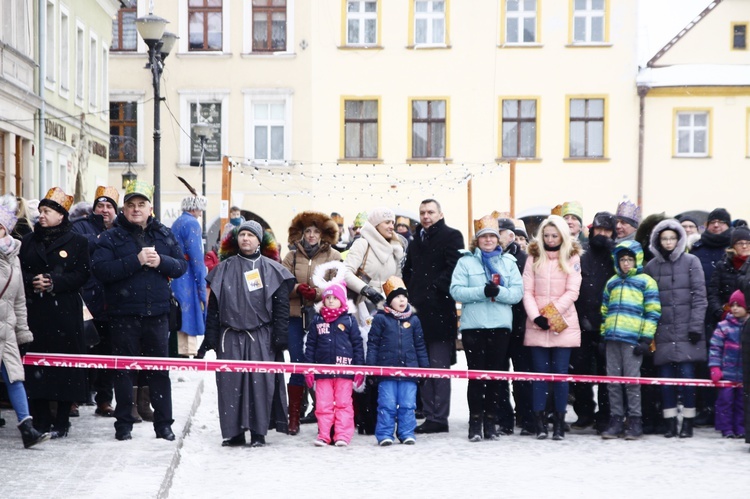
pixel 719 214
pixel 740 234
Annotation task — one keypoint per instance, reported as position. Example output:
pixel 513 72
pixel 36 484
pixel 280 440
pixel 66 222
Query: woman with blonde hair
pixel 551 281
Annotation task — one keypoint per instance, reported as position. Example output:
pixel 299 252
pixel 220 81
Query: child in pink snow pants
pixel 334 338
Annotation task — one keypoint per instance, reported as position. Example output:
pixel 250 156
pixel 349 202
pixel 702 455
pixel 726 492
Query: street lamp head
pixel 203 131
pixel 167 42
pixel 151 28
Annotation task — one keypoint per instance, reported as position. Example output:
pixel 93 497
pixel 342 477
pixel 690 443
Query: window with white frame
pixel 93 67
pixel 205 25
pixel 361 22
pixel 17 25
pixel 105 81
pixel 692 133
pixel 269 25
pixel 519 128
pixel 361 128
pixel 586 128
pixel 429 22
pixel 428 128
pixel 64 50
pixel 124 32
pixel 588 21
pixel 268 131
pixel 80 47
pixel 520 21
pixel 50 56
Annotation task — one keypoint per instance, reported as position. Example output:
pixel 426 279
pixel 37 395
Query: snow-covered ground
pixel 448 465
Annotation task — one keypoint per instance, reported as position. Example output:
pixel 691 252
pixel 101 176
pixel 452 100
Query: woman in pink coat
pixel 552 275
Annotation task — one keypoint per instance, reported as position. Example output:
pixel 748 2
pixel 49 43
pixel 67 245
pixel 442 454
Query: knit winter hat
pixel 740 234
pixel 336 289
pixel 719 214
pixel 688 218
pixel 253 227
pixel 8 207
pixel 604 220
pixel 379 215
pixel 738 297
pixel 191 203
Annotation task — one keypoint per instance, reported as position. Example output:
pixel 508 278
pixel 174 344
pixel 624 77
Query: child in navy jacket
pixel 396 339
pixel 334 338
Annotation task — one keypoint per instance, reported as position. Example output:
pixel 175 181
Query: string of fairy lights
pixel 361 180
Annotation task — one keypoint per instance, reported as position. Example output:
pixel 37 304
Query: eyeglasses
pixel 627 259
pixel 668 239
pixel 742 244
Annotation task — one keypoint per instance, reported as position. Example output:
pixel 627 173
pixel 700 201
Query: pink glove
pixel 309 380
pixel 359 380
pixel 716 374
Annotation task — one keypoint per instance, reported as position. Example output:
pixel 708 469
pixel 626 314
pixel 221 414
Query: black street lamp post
pixel 151 29
pixel 203 132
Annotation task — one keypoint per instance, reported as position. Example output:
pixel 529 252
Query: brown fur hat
pixel 329 230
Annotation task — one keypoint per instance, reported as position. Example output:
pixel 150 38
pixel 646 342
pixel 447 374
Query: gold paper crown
pixel 403 221
pixel 58 196
pixel 107 192
pixel 140 188
pixel 485 224
pixel 337 218
pixel 574 208
pixel 392 284
pixel 557 210
pixel 501 214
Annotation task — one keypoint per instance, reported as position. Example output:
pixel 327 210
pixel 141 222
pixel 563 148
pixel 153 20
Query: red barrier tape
pixel 242 366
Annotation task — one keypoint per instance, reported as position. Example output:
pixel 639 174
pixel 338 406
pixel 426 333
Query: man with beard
pixel 248 319
pixel 430 260
pixel 596 269
pixel 710 249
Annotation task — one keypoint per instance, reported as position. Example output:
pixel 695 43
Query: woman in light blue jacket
pixel 486 282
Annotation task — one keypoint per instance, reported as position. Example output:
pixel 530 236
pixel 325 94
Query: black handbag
pixel 175 314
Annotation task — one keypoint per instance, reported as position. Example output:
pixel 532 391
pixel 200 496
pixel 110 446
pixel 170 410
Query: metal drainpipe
pixel 642 91
pixel 42 17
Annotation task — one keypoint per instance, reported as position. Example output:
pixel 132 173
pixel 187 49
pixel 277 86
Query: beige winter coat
pixel 14 330
pixel 384 259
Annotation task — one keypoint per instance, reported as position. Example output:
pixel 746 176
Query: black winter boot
pixel 558 426
pixel 490 430
pixel 475 428
pixel 687 428
pixel 614 430
pixel 29 435
pixel 634 428
pixel 541 425
pixel 671 427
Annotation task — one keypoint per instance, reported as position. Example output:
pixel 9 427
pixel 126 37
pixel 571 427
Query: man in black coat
pixel 135 260
pixel 596 269
pixel 101 219
pixel 430 260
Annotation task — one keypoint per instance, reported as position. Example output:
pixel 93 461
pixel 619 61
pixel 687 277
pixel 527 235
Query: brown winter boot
pixel 134 408
pixel 144 404
pixel 295 402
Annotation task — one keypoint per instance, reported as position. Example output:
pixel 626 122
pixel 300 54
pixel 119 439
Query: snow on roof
pixel 695 75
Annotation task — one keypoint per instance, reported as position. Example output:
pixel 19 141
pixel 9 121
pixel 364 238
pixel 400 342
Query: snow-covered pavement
pixel 91 463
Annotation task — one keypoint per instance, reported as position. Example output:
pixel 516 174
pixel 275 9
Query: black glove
pixel 694 337
pixel 23 349
pixel 491 290
pixel 280 340
pixel 372 294
pixel 642 347
pixel 602 348
pixel 542 322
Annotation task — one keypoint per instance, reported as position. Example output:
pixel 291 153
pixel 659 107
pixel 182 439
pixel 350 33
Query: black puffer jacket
pixel 129 287
pixel 596 269
pixel 92 291
pixel 724 282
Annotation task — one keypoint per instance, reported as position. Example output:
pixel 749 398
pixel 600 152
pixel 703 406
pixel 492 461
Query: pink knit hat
pixel 738 297
pixel 338 291
pixel 8 206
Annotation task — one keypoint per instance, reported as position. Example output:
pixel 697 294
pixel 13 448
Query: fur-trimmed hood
pixel 534 249
pixel 329 230
pixel 655 246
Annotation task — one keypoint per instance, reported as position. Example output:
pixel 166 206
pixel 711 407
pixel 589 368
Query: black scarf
pixel 48 235
pixel 722 240
pixel 552 248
